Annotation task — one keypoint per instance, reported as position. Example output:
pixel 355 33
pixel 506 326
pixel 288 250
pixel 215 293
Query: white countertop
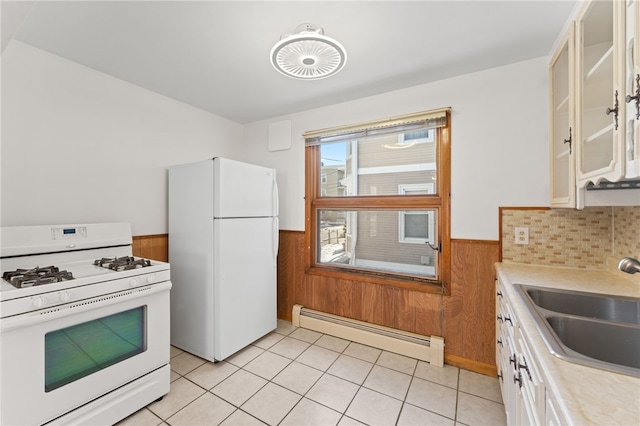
pixel 585 395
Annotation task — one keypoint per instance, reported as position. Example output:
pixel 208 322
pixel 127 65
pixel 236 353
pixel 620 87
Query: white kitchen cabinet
pixel 515 368
pixel 602 60
pixel 553 416
pixel 561 123
pixel 522 385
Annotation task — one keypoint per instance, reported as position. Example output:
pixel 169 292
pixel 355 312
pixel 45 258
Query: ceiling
pixel 214 55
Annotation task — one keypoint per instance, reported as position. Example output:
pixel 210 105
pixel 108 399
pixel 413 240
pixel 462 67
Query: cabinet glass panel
pixel 597 86
pixel 561 161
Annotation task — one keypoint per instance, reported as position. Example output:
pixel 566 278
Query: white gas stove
pixel 84 325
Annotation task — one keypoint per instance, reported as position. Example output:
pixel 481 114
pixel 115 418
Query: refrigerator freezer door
pixel 243 190
pixel 244 282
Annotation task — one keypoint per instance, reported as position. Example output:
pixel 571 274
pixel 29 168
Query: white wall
pixel 81 146
pixel 499 137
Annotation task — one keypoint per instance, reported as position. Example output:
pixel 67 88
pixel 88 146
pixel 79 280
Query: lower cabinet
pixel 526 399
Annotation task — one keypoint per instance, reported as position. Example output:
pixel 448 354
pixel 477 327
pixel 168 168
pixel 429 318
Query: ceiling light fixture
pixel 308 54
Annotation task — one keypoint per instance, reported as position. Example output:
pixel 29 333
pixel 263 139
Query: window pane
pixel 383 240
pixel 80 350
pixel 379 165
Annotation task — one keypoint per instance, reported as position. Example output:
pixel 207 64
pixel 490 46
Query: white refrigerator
pixel 223 243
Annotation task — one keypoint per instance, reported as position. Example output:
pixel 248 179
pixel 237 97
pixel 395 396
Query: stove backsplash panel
pixel 592 238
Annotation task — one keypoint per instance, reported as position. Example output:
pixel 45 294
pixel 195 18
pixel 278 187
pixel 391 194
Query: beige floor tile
pixel 349 368
pixel 206 410
pixel 173 351
pixel 348 421
pixel 289 347
pixel 239 387
pixel 397 362
pixel 389 382
pixel 433 397
pixel 269 340
pixel 333 392
pixel 363 352
pixel 185 362
pixel 310 413
pixel 374 408
pixel 480 385
pixel 142 417
pixel 414 416
pixel 473 410
pixel 210 374
pixel 446 376
pixel 285 327
pixel 174 376
pixel 271 404
pixel 243 357
pixel 240 418
pixel 182 392
pixel 306 335
pixel 333 343
pixel 318 357
pixel 267 365
pixel 297 377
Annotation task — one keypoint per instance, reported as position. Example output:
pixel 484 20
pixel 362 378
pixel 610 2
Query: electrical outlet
pixel 522 235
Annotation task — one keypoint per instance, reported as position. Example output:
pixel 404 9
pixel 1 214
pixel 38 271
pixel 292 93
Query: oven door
pixel 56 360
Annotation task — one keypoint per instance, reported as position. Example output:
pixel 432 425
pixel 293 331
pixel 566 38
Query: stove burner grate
pixel 22 278
pixel 122 263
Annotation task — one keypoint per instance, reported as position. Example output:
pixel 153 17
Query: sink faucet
pixel 629 265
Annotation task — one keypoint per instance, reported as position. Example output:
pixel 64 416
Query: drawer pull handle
pixel 518 379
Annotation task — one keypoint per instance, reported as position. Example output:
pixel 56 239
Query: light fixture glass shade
pixel 308 54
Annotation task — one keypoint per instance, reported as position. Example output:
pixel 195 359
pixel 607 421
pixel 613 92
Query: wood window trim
pixel 441 201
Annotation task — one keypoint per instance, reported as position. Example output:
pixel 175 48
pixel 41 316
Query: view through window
pixel 377 199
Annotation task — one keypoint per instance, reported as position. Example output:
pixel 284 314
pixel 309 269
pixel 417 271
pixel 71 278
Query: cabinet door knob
pixel 629 98
pixel 614 110
pixel 569 141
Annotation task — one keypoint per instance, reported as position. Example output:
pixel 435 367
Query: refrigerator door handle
pixel 275 238
pixel 275 196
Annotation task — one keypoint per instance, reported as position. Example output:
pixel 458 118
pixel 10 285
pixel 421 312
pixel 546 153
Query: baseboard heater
pixel 425 348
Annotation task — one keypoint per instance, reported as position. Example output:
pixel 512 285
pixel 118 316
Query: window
pixel 416 227
pixel 378 201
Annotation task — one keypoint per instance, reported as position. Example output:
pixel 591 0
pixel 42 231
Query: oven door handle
pixel 76 307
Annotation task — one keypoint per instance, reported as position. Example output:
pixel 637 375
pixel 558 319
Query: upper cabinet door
pixel 600 109
pixel 632 98
pixel 562 147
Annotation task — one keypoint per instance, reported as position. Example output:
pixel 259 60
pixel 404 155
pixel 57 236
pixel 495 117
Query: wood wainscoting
pixel 154 247
pixel 465 318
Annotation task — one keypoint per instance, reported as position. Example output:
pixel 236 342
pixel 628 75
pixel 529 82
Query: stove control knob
pixel 65 296
pixel 133 282
pixel 151 279
pixel 39 302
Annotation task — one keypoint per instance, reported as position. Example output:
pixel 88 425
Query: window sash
pixel 440 201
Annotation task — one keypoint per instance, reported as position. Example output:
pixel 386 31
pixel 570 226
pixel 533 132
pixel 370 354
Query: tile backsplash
pixel 586 238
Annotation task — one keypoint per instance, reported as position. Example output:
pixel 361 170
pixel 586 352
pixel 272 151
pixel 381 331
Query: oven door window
pixel 82 349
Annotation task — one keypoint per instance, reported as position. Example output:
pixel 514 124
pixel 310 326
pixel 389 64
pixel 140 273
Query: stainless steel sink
pixel 606 307
pixel 601 331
